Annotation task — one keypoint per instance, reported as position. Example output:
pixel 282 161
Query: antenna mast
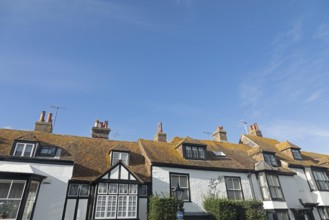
pixel 245 125
pixel 57 108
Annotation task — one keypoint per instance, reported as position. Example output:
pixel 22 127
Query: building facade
pixel 50 176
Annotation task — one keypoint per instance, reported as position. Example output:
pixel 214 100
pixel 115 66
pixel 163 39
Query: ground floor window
pixel 11 193
pixel 278 215
pixel 324 212
pixel 116 200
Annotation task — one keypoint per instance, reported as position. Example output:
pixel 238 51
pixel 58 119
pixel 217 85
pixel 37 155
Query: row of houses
pixel 50 176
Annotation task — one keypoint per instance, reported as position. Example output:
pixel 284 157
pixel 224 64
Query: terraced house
pixel 50 176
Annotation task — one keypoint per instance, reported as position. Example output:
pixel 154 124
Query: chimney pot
pixel 254 130
pixel 49 118
pixel 42 116
pixel 100 130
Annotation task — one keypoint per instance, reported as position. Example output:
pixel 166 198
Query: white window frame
pixel 7 198
pixel 268 188
pixel 128 198
pixel 120 154
pixel 234 190
pixel 24 149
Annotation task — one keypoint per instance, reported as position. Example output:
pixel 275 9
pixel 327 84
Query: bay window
pixel 270 186
pixel 116 201
pixel 322 180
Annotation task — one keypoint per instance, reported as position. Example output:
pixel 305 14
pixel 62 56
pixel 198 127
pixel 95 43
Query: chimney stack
pixel 220 134
pixel 160 135
pixel 100 130
pixel 254 130
pixel 43 126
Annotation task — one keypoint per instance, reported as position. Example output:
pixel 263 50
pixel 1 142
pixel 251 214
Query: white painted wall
pixel 142 209
pixel 51 198
pixel 199 184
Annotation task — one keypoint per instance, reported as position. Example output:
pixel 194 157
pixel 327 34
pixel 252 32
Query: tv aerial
pixel 56 112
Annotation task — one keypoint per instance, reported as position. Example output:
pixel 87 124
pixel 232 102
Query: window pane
pixel 70 207
pixel 32 194
pixel 4 188
pixel 16 190
pixel 188 151
pixel 84 190
pixel 82 209
pixel 183 181
pixel 28 150
pixel 113 188
pixel 186 195
pixel 111 206
pixel 143 190
pixel 123 188
pixel 229 183
pixel 124 158
pixel 132 189
pixel 195 152
pixel 100 206
pixel 174 181
pixel 19 149
pixel 102 188
pixel 132 207
pixel 122 206
pixel 13 207
pixel 201 153
pixel 74 190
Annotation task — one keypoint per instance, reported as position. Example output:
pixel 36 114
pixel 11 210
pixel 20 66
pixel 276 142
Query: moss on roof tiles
pixel 90 155
pixel 286 145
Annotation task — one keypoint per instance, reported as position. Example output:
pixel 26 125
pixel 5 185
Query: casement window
pixel 194 152
pixel 47 152
pixel 270 186
pixel 117 156
pixel 24 150
pixel 233 188
pixel 296 154
pixel 324 212
pixel 31 199
pixel 322 180
pixel 116 201
pixel 278 215
pixel 143 190
pixel 181 180
pixel 11 193
pixel 270 159
pixel 78 190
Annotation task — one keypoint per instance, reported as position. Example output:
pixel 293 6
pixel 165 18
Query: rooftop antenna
pixel 57 108
pixel 207 132
pixel 245 125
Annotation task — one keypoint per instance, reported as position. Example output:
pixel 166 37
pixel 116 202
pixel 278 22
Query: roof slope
pixel 90 155
pixel 273 145
pixel 166 153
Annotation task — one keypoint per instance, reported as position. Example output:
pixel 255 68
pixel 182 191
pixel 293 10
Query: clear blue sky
pixel 192 64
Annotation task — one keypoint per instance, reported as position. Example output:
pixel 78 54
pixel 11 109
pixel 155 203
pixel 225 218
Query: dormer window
pixel 194 152
pixel 296 154
pixel 270 159
pixel 24 149
pixel 117 156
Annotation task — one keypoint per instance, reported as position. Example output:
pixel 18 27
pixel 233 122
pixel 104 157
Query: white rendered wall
pixel 51 198
pixel 199 184
pixel 143 209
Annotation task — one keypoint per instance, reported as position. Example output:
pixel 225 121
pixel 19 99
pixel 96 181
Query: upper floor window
pixel 181 180
pixel 47 152
pixel 233 188
pixel 24 149
pixel 324 212
pixel 117 156
pixel 322 180
pixel 78 190
pixel 270 186
pixel 194 152
pixel 270 159
pixel 296 154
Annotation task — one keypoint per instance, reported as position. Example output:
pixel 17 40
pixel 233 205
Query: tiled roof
pixel 276 146
pixel 166 153
pixel 286 145
pixel 90 155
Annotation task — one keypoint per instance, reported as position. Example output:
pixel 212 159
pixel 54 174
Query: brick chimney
pixel 44 126
pixel 220 134
pixel 254 130
pixel 160 135
pixel 100 130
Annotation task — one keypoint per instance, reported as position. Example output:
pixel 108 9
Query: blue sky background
pixel 192 64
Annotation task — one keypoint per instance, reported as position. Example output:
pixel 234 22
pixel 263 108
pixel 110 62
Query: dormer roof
pixel 286 145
